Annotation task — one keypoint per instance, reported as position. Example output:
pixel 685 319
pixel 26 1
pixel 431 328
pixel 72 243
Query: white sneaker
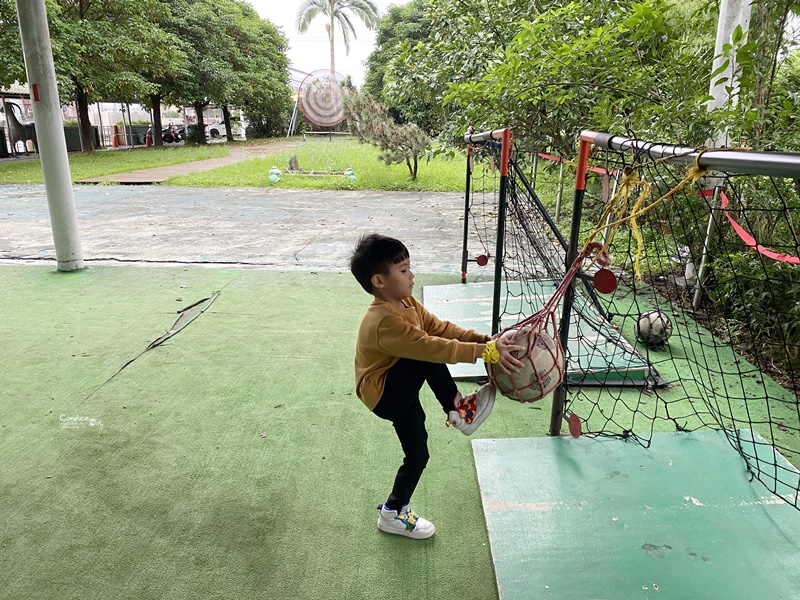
pixel 405 522
pixel 472 410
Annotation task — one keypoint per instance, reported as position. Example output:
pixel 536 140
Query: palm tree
pixel 338 11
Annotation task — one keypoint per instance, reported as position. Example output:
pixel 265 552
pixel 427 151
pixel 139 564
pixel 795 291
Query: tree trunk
pixel 85 126
pixel 226 117
pixel 201 125
pixel 155 101
pixel 767 31
pixel 416 166
pixel 330 35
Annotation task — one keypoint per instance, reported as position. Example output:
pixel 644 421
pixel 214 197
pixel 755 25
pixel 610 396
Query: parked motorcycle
pixel 173 134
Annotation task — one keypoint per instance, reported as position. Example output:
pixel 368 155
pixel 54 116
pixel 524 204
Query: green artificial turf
pixel 233 461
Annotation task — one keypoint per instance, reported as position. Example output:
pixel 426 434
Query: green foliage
pixel 11 58
pixel 749 289
pixel 370 121
pixel 550 69
pixel 784 133
pixel 202 25
pixel 465 37
pixel 757 107
pixel 10 45
pixel 261 86
pixel 599 66
pixel 399 30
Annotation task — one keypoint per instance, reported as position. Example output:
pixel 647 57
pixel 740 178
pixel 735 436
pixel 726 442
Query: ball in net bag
pixel 543 365
pixel 653 329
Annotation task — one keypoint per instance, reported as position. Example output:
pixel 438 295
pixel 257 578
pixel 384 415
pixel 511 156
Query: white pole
pixel 50 132
pixel 731 14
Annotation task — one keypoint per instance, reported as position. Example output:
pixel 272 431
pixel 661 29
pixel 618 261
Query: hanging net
pixel 708 257
pixel 529 266
pixel 705 262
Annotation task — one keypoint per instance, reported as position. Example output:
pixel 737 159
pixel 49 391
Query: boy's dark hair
pixel 375 254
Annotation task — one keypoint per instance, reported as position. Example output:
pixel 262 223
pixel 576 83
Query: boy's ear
pixel 376 281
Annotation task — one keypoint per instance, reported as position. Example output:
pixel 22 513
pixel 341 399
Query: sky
pixel 311 51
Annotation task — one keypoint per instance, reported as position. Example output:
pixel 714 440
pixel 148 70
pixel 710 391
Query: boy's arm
pixel 445 329
pixel 397 337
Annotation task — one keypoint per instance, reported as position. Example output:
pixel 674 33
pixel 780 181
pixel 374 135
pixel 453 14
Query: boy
pixel 400 346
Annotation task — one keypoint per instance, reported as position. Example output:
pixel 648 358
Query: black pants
pixel 400 404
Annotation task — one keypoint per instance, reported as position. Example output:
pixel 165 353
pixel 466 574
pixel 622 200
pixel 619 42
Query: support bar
pixel 742 162
pixel 486 136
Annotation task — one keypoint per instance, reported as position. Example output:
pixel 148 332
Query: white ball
pixel 543 368
pixel 653 329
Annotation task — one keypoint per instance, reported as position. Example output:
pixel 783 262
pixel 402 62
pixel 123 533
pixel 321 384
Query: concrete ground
pixel 286 229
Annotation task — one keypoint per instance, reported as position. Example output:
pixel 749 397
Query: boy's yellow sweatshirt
pixel 388 333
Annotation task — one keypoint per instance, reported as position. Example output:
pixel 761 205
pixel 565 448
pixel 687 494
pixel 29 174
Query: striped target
pixel 320 98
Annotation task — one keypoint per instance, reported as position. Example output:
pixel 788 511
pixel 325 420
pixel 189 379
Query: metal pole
pixel 560 394
pixel 130 124
pixel 100 122
pixel 710 229
pixel 607 231
pixel 464 255
pixel 743 162
pixel 501 228
pixel 560 190
pixel 38 56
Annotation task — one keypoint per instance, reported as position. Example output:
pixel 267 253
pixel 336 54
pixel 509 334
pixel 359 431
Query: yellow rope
pixel 618 205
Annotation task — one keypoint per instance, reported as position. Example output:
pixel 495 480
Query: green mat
pixel 231 461
pixel 602 518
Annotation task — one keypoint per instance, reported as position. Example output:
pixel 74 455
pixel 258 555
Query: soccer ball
pixel 543 368
pixel 653 329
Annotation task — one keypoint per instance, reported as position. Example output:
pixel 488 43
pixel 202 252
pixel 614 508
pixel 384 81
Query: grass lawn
pixel 439 175
pixel 106 162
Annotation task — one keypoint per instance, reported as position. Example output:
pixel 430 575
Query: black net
pixel 731 358
pixel 706 335
pixel 533 265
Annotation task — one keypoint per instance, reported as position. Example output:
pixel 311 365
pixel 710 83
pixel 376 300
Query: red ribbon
pixel 746 237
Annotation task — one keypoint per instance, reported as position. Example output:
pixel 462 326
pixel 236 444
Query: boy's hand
pixel 508 363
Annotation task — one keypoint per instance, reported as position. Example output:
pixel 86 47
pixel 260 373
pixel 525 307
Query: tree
pixel 210 53
pixel 464 38
pixel 104 46
pixel 338 11
pixel 168 64
pixel 402 27
pixel 757 57
pixel 10 45
pixel 261 86
pixel 550 69
pixel 370 121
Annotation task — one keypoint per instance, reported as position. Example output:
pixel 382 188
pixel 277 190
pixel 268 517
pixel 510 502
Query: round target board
pixel 320 98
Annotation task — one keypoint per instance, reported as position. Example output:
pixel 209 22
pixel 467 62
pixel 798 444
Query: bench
pixel 330 134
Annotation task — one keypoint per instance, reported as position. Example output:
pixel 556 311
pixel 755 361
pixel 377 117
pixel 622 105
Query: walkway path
pixel 161 174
